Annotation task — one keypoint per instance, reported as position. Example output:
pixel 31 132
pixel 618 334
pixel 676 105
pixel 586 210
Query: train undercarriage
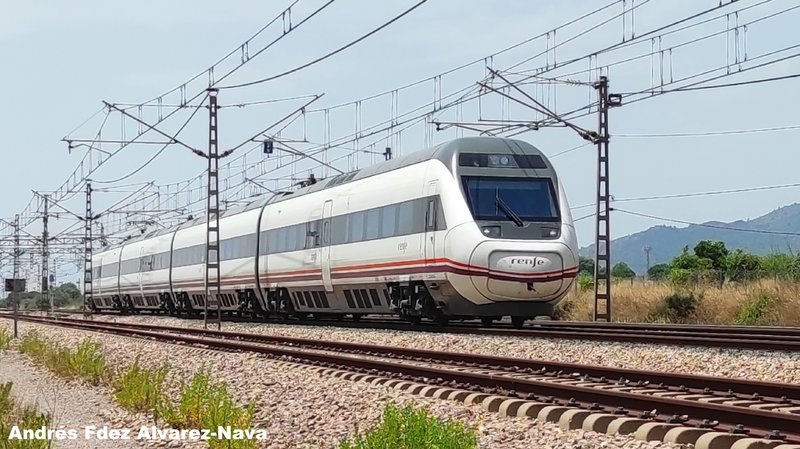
pixel 410 301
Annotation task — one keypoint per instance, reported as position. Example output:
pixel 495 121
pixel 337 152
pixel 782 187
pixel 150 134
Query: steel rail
pixel 758 422
pixel 675 380
pixel 739 337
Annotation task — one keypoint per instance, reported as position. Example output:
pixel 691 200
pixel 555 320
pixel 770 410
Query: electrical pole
pixel 212 215
pixel 602 264
pixel 46 256
pixel 647 250
pixel 87 253
pixel 15 291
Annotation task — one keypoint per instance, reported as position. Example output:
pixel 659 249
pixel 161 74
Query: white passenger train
pixel 475 227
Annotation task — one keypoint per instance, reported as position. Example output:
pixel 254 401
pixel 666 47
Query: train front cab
pixel 522 259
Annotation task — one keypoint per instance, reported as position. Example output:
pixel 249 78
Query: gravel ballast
pixel 771 366
pixel 71 404
pixel 302 409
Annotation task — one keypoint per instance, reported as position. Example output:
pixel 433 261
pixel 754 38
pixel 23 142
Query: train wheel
pixel 517 321
pixel 356 317
pixel 487 321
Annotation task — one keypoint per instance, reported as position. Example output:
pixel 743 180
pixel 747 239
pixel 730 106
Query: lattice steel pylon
pixel 87 253
pixel 212 279
pixel 15 290
pixel 46 255
pixel 602 263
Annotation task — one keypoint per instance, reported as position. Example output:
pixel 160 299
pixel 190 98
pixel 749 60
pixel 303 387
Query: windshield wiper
pixel 508 211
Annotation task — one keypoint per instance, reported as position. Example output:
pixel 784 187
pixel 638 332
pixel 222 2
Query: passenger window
pixel 373 223
pixel 431 214
pixel 388 221
pixel 356 227
pixel 326 232
pixel 405 222
pixel 312 234
pixel 283 240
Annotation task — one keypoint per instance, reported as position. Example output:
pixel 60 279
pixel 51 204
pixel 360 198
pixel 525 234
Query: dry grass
pixel 639 301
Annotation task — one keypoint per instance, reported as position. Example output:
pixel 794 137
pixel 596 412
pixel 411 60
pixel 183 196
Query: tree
pixel 658 272
pixel 742 265
pixel 66 293
pixel 623 271
pixel 586 265
pixel 688 261
pixel 778 265
pixel 714 251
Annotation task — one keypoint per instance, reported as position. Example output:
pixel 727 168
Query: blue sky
pixel 63 58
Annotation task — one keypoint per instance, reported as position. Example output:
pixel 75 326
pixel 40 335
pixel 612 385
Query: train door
pixel 97 278
pixel 431 195
pixel 142 270
pixel 325 260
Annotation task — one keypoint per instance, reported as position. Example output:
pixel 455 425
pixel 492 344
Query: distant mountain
pixel 668 241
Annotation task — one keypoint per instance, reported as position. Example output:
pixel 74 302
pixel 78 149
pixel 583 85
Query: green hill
pixel 667 241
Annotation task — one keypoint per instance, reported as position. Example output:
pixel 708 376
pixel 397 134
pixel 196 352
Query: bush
pixel 777 266
pixel 743 266
pixel 139 389
pixel 410 428
pixel 585 265
pixel 86 362
pixel 585 282
pixel 676 307
pixel 12 414
pixel 5 338
pixel 208 405
pixel 756 312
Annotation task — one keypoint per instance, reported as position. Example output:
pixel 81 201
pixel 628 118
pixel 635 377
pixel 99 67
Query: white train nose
pixel 518 274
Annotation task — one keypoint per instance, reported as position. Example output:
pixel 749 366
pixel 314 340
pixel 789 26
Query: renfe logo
pixel 524 263
pixel 527 261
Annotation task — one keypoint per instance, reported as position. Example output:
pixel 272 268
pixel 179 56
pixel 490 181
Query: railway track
pixel 684 406
pixel 742 337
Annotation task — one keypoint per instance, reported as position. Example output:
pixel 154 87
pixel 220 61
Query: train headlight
pixel 491 231
pixel 501 161
pixel 550 232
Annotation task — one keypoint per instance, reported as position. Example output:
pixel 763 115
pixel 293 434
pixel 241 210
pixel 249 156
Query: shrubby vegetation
pixel 25 417
pixel 65 295
pixel 707 284
pixel 202 403
pixel 411 428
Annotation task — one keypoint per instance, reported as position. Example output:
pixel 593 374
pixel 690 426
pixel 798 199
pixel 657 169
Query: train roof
pixel 443 152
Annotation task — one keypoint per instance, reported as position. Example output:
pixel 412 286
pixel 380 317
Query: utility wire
pixel 710 133
pixel 706 225
pixel 695 194
pixel 149 161
pixel 322 58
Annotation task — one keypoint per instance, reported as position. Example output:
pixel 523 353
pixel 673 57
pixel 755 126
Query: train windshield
pixel 511 199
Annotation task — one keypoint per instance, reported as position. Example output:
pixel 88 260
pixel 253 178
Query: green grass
pixel 140 389
pixel 25 417
pixel 756 312
pixel 85 362
pixel 410 428
pixel 203 404
pixel 5 338
pixel 206 405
